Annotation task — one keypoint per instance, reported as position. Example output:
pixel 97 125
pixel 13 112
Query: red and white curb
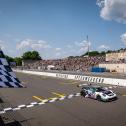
pixel 33 104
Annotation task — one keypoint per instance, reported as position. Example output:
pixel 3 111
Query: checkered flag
pixel 7 76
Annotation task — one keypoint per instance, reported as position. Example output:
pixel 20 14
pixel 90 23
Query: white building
pixel 117 56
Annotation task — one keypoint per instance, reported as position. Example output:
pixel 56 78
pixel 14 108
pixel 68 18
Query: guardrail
pixel 92 79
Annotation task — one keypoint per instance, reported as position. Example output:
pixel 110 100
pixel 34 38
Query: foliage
pixel 102 53
pixel 9 59
pixel 109 51
pixel 94 53
pixel 18 61
pixel 31 55
pixel 70 57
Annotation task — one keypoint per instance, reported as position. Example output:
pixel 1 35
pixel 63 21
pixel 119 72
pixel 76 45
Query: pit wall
pixel 100 80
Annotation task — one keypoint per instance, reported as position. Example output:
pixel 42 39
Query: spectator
pixel 68 64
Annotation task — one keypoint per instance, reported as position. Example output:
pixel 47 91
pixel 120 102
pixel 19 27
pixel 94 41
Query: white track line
pixel 33 104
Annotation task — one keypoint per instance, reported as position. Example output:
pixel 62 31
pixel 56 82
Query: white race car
pixel 98 93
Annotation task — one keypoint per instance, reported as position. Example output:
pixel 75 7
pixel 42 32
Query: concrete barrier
pixel 92 79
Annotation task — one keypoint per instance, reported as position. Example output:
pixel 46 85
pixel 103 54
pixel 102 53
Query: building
pixel 116 56
pixel 114 67
pixel 115 62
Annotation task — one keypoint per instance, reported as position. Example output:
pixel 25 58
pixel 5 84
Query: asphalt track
pixel 77 111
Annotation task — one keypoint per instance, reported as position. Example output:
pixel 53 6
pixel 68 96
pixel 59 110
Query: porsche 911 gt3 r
pixel 98 93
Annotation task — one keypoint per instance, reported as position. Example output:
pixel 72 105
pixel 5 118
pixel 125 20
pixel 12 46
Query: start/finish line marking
pixel 54 93
pixel 38 98
pixel 33 104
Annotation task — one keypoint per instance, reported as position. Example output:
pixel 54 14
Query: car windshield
pixel 99 89
pixel 93 89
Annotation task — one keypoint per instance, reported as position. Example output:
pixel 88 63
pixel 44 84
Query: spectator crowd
pixel 68 64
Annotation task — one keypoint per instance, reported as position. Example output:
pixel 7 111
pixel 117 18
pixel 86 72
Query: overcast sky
pixel 58 28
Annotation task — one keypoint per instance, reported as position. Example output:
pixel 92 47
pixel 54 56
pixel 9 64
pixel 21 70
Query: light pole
pixel 88 45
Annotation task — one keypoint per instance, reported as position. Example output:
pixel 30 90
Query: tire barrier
pixel 33 104
pixel 7 76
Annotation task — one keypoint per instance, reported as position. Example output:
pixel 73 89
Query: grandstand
pixel 113 62
pixel 67 64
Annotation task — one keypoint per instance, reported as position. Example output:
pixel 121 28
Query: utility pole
pixel 88 45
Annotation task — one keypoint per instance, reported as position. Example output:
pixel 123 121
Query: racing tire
pixel 99 98
pixel 83 93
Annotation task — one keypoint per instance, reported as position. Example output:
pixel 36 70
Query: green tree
pixel 26 55
pixel 18 61
pixel 102 53
pixel 70 57
pixel 109 51
pixel 9 59
pixel 35 55
pixel 92 53
pixel 31 55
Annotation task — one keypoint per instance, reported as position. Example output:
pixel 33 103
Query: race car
pixel 99 93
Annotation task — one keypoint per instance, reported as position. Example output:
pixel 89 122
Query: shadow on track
pixel 14 123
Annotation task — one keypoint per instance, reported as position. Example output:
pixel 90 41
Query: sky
pixel 59 28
